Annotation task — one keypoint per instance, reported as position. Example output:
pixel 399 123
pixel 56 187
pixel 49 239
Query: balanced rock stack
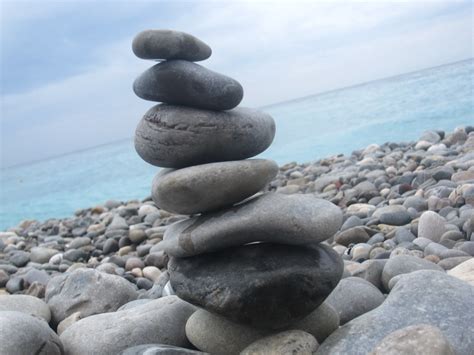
pixel 255 261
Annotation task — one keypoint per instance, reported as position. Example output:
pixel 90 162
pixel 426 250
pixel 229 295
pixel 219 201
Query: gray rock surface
pixel 159 349
pixel 207 187
pixel 87 291
pixel 354 296
pixel 425 296
pixel 404 264
pixel 287 342
pixel 179 82
pixel 431 226
pixel 320 323
pixel 168 44
pixel 160 321
pixel 421 339
pixel 217 335
pixel 272 217
pixel 24 334
pixel 394 215
pixel 25 304
pixel 262 285
pixel 177 136
pixel 42 255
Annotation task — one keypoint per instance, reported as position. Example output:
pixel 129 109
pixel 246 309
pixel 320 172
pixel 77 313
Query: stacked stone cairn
pixel 252 258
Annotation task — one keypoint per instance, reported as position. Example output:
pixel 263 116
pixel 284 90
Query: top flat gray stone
pixel 272 217
pixel 206 187
pixel 168 44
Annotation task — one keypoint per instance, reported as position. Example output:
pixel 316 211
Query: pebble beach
pixel 97 282
pixel 370 253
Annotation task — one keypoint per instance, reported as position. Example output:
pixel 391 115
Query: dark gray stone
pixel 110 246
pixel 19 258
pixel 87 291
pixel 24 334
pixel 208 187
pixel 159 321
pixel 352 236
pixel 160 349
pixel 177 136
pixel 354 296
pixel 421 297
pixel 394 215
pixel 263 285
pixel 179 82
pixel 168 44
pixel 273 217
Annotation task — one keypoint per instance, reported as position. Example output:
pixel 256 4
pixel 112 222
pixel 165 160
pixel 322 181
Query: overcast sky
pixel 67 67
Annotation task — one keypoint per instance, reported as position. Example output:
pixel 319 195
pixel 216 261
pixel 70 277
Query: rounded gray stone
pixel 394 215
pixel 421 297
pixel 25 304
pixel 431 226
pixel 320 323
pixel 160 321
pixel 404 264
pixel 168 44
pixel 354 296
pixel 272 217
pixel 24 334
pixel 177 136
pixel 179 82
pixel 286 342
pixel 217 335
pixel 262 285
pixel 87 291
pixel 42 255
pixel 421 339
pixel 159 349
pixel 208 187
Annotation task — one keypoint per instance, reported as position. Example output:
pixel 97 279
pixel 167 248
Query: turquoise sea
pixel 394 109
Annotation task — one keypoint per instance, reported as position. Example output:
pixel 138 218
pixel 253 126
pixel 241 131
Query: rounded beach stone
pixel 354 296
pixel 208 187
pixel 87 291
pixel 217 335
pixel 431 226
pixel 180 82
pixel 159 349
pixel 160 321
pixel 177 136
pixel 168 44
pixel 421 339
pixel 287 342
pixel 320 323
pixel 24 334
pixel 404 264
pixel 421 297
pixel 25 304
pixel 262 285
pixel 273 217
pixel 464 271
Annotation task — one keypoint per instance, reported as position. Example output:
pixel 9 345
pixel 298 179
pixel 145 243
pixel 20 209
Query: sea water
pixel 396 109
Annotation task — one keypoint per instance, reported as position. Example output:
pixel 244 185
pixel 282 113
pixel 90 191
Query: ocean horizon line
pixel 32 162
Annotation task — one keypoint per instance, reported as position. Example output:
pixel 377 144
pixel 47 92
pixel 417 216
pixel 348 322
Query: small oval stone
pixel 176 137
pixel 168 44
pixel 273 217
pixel 207 187
pixel 180 82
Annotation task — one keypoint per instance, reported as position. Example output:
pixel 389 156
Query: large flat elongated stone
pixel 178 136
pixel 180 82
pixel 262 285
pixel 207 187
pixel 273 217
pixel 168 44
